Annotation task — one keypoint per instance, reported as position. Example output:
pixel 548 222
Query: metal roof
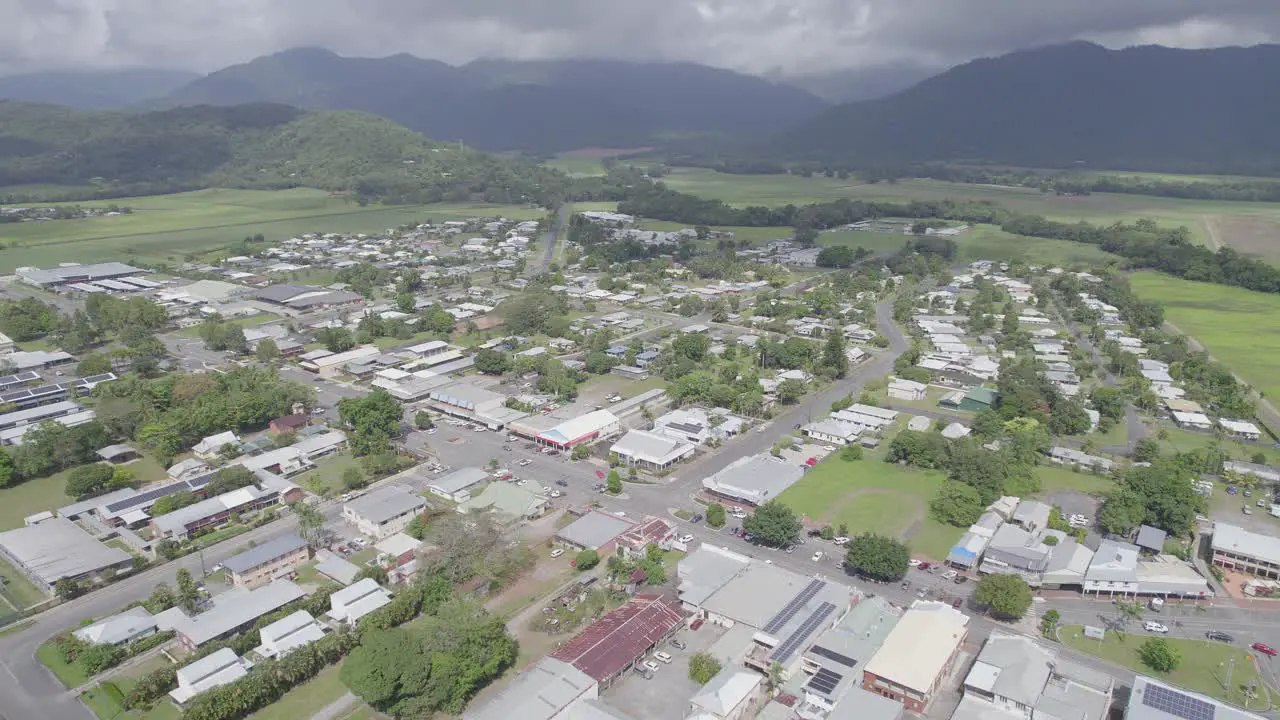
pixel 593 530
pixel 264 553
pixel 58 548
pixel 385 503
pixel 607 646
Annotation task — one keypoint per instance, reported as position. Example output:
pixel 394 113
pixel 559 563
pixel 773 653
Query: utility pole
pixel 1231 666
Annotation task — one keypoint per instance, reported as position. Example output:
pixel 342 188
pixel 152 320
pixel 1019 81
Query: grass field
pixel 1240 328
pixel 167 228
pixel 1202 668
pixel 32 497
pixel 873 496
pixel 577 165
pixel 18 592
pixel 1256 236
pixel 1054 479
pixel 69 675
pixel 106 699
pixel 307 699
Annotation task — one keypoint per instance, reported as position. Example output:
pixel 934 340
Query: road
pixel 551 239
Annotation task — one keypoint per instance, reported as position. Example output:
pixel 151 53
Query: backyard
pixel 1202 668
pixel 106 699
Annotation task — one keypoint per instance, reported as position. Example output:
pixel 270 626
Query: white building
pixel 288 634
pixel 652 451
pixel 384 511
pixel 214 670
pixel 901 389
pixel 357 600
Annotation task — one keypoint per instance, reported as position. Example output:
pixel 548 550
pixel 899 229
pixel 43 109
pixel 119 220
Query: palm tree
pixel 773 681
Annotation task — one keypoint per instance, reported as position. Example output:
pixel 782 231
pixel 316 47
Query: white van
pixel 557 552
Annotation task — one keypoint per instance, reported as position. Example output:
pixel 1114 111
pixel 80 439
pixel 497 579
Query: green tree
pixel 1123 511
pixel 587 559
pixel 715 515
pixel 773 524
pixel 614 483
pixel 422 420
pixel 492 362
pixel 1159 655
pixel 161 599
pixel 790 391
pixel 851 452
pixel 1049 622
pixel 89 480
pixel 703 667
pixel 1146 450
pixel 353 478
pixel 957 504
pixel 878 557
pixel 581 452
pixel 1005 596
pixel 93 364
pixel 188 593
pixel 374 572
pixel 310 523
pixel 267 350
pixel 67 589
pixel 833 354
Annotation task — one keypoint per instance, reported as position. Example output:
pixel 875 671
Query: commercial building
pixel 58 549
pixel 696 426
pixel 1240 550
pixel 1016 678
pixel 868 415
pixel 1151 699
pixel 917 654
pixel 334 364
pixel 304 298
pixel 510 502
pixel 582 429
pixel 288 634
pixel 473 403
pixel 219 668
pixel 754 479
pixel 833 662
pixel 651 451
pixel 610 646
pixel 733 693
pixel 457 485
pixel 550 690
pixel 273 559
pixel 74 273
pixel 119 629
pixel 596 530
pixel 355 601
pixel 231 612
pixel 383 512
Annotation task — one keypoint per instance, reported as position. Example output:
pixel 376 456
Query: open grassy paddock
pixel 1241 328
pixel 1251 227
pixel 166 228
pixel 874 496
pixel 1203 666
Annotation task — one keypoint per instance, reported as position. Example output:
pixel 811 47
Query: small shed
pixel 119 454
pixel 1151 539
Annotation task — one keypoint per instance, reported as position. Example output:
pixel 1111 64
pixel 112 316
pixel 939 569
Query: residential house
pixel 119 629
pixel 698 426
pixel 510 502
pixel 384 511
pixel 229 612
pixel 1015 677
pixel 734 693
pixel 635 541
pixel 211 447
pixel 288 634
pixel 458 485
pixel 595 530
pixel 219 668
pixel 263 563
pixel 838 432
pixel 355 601
pixel 909 390
pixel 549 690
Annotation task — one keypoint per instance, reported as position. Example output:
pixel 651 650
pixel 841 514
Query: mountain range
pixel 1072 105
pixel 535 106
pixel 90 90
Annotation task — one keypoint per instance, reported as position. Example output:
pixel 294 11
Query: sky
pixel 779 37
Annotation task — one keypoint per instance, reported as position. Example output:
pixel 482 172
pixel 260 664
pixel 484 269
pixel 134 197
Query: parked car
pixel 553 493
pixel 524 461
pixel 956 603
pixel 1232 490
pixel 924 566
pixel 663 657
pixel 1248 493
pixel 841 541
pixel 949 575
pixel 651 666
pixel 1155 627
pixel 817 556
pixel 432 431
pixel 1219 636
pixel 1264 648
pixel 696 624
pixel 961 579
pixel 696 518
pixel 562 482
pixel 679 644
pixel 914 562
pixel 686 538
pixel 557 552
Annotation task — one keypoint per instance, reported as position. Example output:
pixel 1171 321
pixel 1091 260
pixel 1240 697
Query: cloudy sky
pixel 783 36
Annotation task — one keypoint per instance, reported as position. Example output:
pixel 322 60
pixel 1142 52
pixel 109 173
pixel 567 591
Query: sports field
pixel 874 496
pixel 1240 328
pixel 1251 227
pixel 168 228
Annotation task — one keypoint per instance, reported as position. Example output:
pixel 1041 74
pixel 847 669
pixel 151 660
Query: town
pixel 645 473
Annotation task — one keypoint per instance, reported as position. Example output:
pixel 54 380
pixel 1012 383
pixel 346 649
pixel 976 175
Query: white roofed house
pixel 357 600
pixel 288 634
pixel 917 655
pixel 457 485
pixel 839 432
pixel 641 448
pixel 384 511
pixel 219 668
pixel 1015 677
pixel 212 446
pixel 119 629
pixel 901 389
pixel 1240 429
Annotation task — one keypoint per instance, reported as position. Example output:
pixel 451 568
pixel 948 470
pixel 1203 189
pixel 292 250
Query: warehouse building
pixel 58 549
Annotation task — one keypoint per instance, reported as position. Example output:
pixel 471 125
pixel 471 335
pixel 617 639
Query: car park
pixel 1219 636
pixel 1155 627
pixel 1264 648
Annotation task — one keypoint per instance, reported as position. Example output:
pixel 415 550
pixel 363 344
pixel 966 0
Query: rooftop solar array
pixel 834 656
pixel 150 496
pixel 784 651
pixel 794 606
pixel 1176 703
pixel 825 681
pixel 21 378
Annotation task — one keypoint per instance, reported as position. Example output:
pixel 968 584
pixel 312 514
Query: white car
pixel 553 493
pixel 817 556
pixel 686 538
pixel 664 657
pixel 557 552
pixel 512 438
pixel 740 515
pixel 841 540
pixel 949 575
pixel 1155 627
pixel 914 562
pixel 524 461
pixel 651 666
pixel 828 448
pixel 431 431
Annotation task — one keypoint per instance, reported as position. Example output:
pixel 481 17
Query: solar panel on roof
pixel 793 607
pixel 833 655
pixel 1177 703
pixel 825 681
pixel 787 648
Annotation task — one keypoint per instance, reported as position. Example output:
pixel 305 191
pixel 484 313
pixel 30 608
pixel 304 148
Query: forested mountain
pixel 536 106
pixel 1143 108
pixel 260 145
pixel 93 90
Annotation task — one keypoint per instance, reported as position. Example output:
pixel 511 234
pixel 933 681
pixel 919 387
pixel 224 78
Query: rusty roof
pixel 610 644
pixel 651 531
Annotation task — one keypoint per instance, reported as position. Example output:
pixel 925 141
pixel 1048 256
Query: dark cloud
pixel 788 36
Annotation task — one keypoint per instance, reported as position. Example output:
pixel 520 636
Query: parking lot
pixel 667 694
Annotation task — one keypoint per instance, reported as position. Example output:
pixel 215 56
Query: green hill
pixel 262 145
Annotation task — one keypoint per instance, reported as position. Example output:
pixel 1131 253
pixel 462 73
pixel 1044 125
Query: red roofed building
pixel 653 531
pixel 610 646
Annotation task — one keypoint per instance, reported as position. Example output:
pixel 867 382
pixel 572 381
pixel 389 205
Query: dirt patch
pixel 1248 234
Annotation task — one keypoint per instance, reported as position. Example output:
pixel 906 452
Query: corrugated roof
pixel 264 553
pixel 613 642
pixel 594 529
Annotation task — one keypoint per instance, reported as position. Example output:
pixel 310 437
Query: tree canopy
pixel 773 524
pixel 1005 596
pixel 878 557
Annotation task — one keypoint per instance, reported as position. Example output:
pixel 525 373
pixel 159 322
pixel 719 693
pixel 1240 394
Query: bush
pixel 1159 655
pixel 1004 595
pixel 703 667
pixel 851 453
pixel 715 515
pixel 587 559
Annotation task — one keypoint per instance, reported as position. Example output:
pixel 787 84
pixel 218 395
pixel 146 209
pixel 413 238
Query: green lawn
pixel 106 698
pixel 577 165
pixel 874 496
pixel 166 228
pixel 307 699
pixel 69 675
pixel 18 590
pixel 1202 668
pixel 326 479
pixel 1055 478
pixel 46 493
pixel 988 242
pixel 876 241
pixel 1239 327
pixel 617 383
